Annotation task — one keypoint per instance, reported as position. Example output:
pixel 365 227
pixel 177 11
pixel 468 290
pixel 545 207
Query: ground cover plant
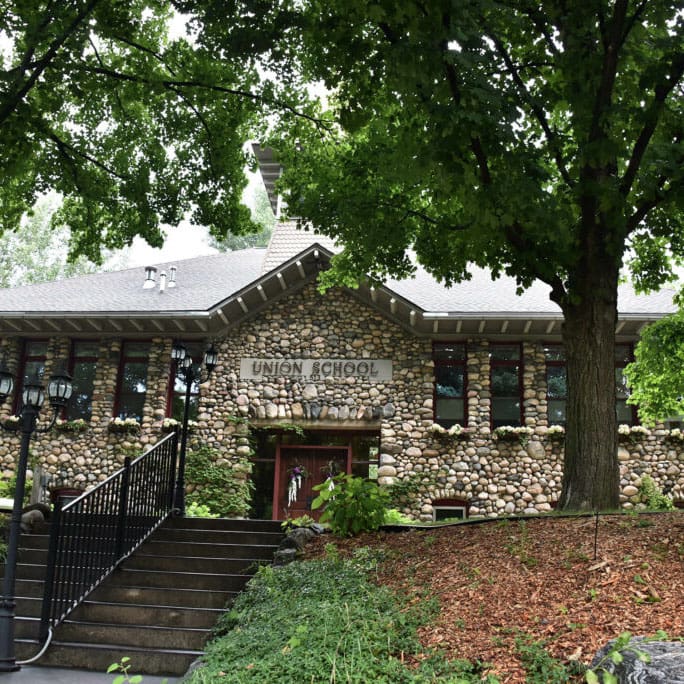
pixel 325 621
pixel 536 598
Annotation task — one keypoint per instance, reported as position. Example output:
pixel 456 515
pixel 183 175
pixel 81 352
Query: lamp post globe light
pixel 190 372
pixel 59 391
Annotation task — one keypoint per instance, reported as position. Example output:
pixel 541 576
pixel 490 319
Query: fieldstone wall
pixel 494 476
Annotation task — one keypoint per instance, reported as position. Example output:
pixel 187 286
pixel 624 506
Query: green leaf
pixel 591 677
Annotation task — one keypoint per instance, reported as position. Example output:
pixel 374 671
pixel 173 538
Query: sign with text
pixel 312 370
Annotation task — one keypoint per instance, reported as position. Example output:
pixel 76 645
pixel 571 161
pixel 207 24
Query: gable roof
pixel 214 293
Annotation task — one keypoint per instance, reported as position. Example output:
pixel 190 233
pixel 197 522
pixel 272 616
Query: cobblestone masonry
pixel 495 477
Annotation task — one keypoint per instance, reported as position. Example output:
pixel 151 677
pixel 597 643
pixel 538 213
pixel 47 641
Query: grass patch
pixel 324 621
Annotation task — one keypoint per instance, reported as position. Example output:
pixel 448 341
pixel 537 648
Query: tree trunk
pixel 591 475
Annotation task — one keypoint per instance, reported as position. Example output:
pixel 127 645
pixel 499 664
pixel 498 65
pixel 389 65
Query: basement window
pixel 449 509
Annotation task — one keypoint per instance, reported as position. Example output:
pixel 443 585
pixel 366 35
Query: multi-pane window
pixel 132 387
pixel 179 387
pixel 556 383
pixel 626 413
pixel 32 365
pixel 505 384
pixel 82 367
pixel 450 383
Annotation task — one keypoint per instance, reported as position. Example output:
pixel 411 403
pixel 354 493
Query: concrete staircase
pixel 159 607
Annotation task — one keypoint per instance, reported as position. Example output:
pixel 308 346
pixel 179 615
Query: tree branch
pixel 475 142
pixel 65 147
pixel 142 48
pixel 633 20
pixel 652 117
pixel 635 220
pixel 173 85
pixel 204 124
pixel 609 69
pixel 538 20
pixel 9 107
pixel 537 110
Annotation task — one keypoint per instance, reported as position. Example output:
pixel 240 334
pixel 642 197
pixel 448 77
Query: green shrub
pixel 652 497
pixel 224 489
pixel 355 505
pixel 395 517
pixel 293 523
pixel 195 510
pixel 8 486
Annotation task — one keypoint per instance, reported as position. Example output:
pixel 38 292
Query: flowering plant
pixel 455 430
pixel 676 435
pixel 632 433
pixel 171 424
pixel 130 425
pixel 11 422
pixel 297 474
pixel 556 432
pixel 76 425
pixel 510 433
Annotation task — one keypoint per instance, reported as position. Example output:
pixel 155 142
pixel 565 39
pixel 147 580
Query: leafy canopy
pixel 131 126
pixel 530 138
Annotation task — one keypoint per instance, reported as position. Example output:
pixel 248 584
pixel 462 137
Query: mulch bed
pixel 566 581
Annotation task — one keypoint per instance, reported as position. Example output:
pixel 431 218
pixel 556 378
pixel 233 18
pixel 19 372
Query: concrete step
pixel 211 536
pixel 30 588
pixel 128 577
pixel 98 657
pixel 142 636
pixel 159 607
pixel 26 627
pixel 198 598
pixel 30 571
pixel 143 614
pixel 202 565
pixel 29 606
pixel 214 536
pixel 198 549
pixel 34 541
pixel 239 524
pixel 33 556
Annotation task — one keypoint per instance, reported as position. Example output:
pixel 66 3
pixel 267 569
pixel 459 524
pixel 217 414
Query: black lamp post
pixel 33 395
pixel 190 371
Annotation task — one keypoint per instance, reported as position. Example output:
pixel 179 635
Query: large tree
pixel 132 128
pixel 539 139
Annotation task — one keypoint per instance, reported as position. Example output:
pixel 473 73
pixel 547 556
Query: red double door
pixel 315 463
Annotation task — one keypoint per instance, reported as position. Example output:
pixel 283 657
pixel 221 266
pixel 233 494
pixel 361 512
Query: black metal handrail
pixel 92 534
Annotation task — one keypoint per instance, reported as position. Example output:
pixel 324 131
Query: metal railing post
pixel 50 571
pixel 123 507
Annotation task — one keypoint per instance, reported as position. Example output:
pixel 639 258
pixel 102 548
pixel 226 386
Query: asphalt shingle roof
pixel 204 282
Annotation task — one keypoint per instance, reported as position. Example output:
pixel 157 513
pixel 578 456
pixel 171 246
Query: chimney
pixel 162 282
pixel 172 277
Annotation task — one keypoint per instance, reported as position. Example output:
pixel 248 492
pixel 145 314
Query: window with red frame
pixel 132 385
pixel 450 383
pixel 505 384
pixel 82 366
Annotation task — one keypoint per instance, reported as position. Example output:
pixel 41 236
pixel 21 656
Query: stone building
pixel 457 393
